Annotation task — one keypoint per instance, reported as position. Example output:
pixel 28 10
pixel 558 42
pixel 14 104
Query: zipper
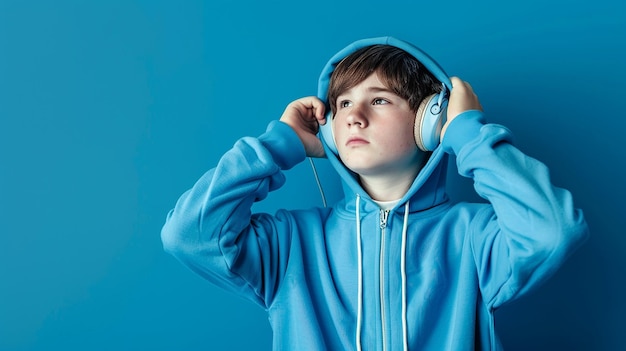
pixel 384 214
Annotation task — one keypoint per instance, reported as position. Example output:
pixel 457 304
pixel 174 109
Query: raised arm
pixel 212 230
pixel 532 226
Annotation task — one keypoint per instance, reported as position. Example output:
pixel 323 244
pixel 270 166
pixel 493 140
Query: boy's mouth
pixel 356 140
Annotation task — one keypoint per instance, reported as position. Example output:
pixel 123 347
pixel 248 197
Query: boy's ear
pixel 429 120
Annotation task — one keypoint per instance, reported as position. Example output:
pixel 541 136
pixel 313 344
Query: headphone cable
pixel 317 180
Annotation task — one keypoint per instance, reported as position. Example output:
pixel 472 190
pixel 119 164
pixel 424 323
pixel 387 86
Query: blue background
pixel 109 110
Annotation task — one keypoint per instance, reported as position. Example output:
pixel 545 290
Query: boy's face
pixel 373 129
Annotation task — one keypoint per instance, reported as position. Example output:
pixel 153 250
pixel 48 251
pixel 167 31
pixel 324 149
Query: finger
pixel 317 106
pixel 320 112
pixel 456 81
pixel 460 85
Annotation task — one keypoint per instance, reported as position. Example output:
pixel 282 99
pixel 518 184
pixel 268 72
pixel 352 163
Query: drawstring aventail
pixel 360 274
pixel 403 271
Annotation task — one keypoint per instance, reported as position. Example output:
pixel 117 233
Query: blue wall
pixel 109 110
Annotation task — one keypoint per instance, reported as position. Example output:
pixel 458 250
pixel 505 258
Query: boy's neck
pixel 387 188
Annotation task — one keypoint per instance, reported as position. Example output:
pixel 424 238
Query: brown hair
pixel 397 69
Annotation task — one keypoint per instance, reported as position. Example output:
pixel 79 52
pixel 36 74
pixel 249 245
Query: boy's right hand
pixel 462 98
pixel 305 115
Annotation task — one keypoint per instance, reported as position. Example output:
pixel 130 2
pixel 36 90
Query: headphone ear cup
pixel 429 121
pixel 327 135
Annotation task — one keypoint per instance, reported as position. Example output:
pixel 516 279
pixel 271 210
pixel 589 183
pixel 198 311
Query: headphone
pixel 431 113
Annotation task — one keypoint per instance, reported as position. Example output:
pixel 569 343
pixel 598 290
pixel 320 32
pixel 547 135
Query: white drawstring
pixel 360 274
pixel 403 270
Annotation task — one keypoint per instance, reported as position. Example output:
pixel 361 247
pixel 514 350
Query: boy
pixel 394 265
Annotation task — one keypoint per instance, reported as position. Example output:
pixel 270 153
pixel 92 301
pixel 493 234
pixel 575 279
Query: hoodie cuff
pixel 284 145
pixel 464 128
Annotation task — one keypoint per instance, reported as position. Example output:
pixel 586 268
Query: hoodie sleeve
pixel 212 230
pixel 531 226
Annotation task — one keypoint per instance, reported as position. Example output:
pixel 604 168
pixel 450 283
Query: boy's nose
pixel 357 117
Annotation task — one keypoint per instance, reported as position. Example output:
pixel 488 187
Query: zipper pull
pixel 383 218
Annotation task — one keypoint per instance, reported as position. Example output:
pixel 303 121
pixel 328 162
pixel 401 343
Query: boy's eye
pixel 380 101
pixel 344 103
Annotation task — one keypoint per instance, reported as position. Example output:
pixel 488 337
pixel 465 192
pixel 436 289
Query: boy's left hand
pixel 462 98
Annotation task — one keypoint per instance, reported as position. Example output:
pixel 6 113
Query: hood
pixel 428 188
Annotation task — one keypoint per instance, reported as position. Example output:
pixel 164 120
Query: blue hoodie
pixel 427 274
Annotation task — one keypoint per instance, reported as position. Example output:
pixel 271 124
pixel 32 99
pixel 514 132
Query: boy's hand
pixel 462 98
pixel 304 116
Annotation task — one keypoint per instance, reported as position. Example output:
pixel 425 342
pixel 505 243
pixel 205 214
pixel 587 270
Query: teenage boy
pixel 394 264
